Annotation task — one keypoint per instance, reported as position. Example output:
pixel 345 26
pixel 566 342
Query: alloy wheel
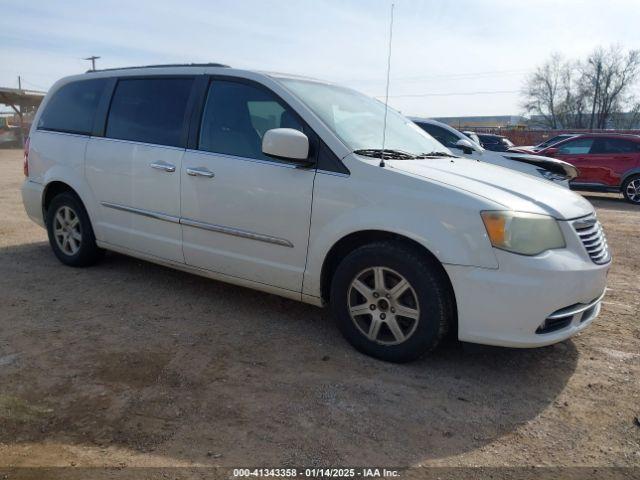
pixel 633 190
pixel 383 305
pixel 67 230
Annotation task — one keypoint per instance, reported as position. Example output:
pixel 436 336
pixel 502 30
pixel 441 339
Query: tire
pixel 383 332
pixel 631 189
pixel 70 232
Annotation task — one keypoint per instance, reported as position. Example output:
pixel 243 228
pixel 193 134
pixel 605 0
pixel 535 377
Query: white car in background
pixel 548 168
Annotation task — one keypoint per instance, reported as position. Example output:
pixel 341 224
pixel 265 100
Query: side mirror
pixel 551 151
pixel 286 144
pixel 467 146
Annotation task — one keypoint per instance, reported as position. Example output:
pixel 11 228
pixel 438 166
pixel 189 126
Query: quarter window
pixel 614 145
pixel 149 110
pixel 579 146
pixel 236 117
pixel 73 107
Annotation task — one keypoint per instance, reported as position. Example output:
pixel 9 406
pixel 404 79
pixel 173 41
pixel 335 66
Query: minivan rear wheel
pixel 631 190
pixel 70 232
pixel 390 302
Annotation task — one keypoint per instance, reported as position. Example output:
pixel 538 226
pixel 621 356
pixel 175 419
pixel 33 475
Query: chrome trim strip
pixel 134 142
pixel 202 225
pixel 236 232
pixel 245 159
pixel 142 212
pixel 571 311
pixel 68 134
pixel 335 174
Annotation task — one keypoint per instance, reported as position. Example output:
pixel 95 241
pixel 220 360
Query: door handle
pixel 164 166
pixel 200 172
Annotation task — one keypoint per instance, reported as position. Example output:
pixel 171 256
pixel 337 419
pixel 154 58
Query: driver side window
pixel 581 146
pixel 236 117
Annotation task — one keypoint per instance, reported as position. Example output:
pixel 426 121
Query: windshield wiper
pixel 435 154
pixel 388 154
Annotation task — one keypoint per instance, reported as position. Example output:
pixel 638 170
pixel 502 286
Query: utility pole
pixel 595 94
pixel 20 111
pixel 93 59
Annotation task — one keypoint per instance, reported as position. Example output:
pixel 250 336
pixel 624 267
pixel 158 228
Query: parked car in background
pixel 548 168
pixel 9 134
pixel 541 146
pixel 607 162
pixel 495 143
pixel 473 136
pixel 278 183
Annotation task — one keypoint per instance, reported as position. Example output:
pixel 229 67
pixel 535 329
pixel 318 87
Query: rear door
pixel 611 157
pixel 245 214
pixel 134 170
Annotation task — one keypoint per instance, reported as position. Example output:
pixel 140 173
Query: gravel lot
pixel 132 364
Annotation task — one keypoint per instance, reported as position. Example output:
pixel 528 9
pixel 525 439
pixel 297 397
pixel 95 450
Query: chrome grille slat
pixel 593 239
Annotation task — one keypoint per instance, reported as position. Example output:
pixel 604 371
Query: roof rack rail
pixel 161 66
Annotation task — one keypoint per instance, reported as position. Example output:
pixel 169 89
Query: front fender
pixel 435 216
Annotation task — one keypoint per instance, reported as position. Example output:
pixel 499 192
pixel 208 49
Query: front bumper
pixel 528 301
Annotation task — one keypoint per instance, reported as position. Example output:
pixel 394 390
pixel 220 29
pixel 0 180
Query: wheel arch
pixel 51 190
pixel 354 240
pixel 627 175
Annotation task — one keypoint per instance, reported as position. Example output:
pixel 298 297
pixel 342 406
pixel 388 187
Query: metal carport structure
pixel 22 102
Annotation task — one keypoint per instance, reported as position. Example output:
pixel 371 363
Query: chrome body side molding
pixel 236 232
pixel 144 213
pixel 260 237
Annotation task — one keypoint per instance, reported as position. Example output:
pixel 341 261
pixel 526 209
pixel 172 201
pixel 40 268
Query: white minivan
pixel 275 182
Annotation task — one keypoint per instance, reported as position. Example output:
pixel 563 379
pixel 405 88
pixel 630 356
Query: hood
pixel 552 164
pixel 512 189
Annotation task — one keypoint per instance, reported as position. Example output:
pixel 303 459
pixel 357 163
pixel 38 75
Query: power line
pixel 451 94
pixel 34 84
pixel 464 76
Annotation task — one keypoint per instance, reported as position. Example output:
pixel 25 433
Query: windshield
pixel 358 120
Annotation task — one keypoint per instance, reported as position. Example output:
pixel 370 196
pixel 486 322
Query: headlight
pixel 523 233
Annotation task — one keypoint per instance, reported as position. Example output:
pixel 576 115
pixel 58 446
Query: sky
pixel 449 58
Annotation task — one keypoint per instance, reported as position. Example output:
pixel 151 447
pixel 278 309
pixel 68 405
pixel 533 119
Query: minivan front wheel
pixel 390 302
pixel 70 233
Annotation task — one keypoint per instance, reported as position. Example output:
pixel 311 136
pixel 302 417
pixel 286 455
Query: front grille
pixel 592 236
pixel 554 324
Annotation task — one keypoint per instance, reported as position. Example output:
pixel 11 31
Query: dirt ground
pixel 132 364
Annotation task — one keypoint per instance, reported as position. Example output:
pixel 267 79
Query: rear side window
pixel 489 140
pixel 615 145
pixel 236 117
pixel 72 108
pixel 150 110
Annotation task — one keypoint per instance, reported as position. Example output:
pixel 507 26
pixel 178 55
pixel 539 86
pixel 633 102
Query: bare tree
pixel 541 91
pixel 611 74
pixel 572 109
pixel 587 94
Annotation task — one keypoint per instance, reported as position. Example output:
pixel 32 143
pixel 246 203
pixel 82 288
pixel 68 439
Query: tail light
pixel 25 165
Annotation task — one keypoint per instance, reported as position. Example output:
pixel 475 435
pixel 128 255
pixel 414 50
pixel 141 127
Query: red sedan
pixel 607 162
